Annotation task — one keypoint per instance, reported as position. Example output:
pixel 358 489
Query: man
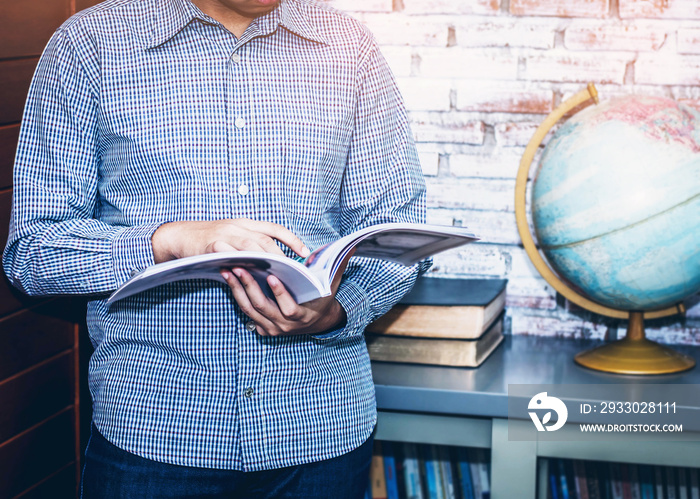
pixel 158 129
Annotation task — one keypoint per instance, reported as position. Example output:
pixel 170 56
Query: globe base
pixel 635 354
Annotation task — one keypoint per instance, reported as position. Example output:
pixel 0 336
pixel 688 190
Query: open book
pixel 311 278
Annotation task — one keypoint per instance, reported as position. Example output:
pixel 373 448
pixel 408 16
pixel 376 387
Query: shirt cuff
pixel 132 251
pixel 354 301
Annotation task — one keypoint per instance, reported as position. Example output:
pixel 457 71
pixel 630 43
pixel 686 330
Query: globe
pixel 616 202
pixel 616 211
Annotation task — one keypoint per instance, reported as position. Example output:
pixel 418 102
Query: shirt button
pixel 248 392
pixel 236 58
pixel 243 189
pixel 250 326
pixel 239 122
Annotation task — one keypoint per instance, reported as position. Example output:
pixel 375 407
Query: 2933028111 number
pixel 638 408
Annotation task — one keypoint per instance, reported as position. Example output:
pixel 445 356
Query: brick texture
pixel 458 7
pixel 614 37
pixel 560 8
pixel 660 9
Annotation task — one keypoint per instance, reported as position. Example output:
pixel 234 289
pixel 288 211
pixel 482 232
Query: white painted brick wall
pixel 478 77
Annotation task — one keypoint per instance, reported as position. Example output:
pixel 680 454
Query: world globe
pixel 616 211
pixel 616 202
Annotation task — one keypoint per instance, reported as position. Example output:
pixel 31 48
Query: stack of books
pixel 447 322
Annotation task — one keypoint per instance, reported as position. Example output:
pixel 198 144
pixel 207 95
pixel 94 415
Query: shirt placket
pixel 241 148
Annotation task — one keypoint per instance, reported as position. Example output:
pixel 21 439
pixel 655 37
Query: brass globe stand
pixel 634 354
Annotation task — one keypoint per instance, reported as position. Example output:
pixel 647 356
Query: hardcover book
pixel 311 278
pixel 436 351
pixel 445 308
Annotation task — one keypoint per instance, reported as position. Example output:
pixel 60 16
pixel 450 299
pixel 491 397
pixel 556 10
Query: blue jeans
pixel 111 472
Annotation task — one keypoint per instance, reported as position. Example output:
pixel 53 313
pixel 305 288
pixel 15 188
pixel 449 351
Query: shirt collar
pixel 171 16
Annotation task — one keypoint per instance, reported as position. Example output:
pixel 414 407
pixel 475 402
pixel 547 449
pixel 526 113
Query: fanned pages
pixel 403 243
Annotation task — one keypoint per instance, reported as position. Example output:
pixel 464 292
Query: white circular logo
pixel 543 402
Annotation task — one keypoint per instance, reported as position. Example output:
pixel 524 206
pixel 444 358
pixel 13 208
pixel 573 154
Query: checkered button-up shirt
pixel 148 111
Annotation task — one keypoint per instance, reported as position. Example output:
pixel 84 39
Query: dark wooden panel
pixel 26 26
pixel 10 299
pixel 61 485
pixel 36 395
pixel 36 454
pixel 30 336
pixel 8 147
pixel 15 77
pixel 84 4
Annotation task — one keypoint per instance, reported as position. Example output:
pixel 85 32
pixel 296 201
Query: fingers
pixel 278 232
pixel 263 326
pixel 287 305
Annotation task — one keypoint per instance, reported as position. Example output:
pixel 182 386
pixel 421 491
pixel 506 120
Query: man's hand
pixel 284 316
pixel 180 239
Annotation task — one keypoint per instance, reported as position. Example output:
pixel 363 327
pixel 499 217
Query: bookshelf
pixel 469 407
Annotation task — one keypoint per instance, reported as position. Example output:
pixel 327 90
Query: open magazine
pixel 311 278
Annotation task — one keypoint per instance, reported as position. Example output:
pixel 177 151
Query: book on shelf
pixel 433 475
pixel 436 351
pixel 682 484
pixel 592 480
pixel 445 308
pixel 671 483
pixel 464 474
pixel 580 480
pixel 377 478
pixel 635 485
pixel 448 482
pixel 392 485
pixel 412 471
pixel 312 277
pixel 694 485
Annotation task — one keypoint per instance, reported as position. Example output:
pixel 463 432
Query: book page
pixel 299 282
pixel 402 243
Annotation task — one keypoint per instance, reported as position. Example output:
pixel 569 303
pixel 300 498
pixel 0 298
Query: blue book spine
pixel 553 480
pixel 392 487
pixel 430 475
pixel 562 479
pixel 465 477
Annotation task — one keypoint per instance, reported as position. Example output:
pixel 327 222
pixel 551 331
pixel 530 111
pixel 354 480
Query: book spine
pixel 484 474
pixel 580 480
pixel 397 452
pixel 694 485
pixel 635 485
pixel 465 479
pixel 446 472
pixel 616 481
pixel 625 480
pixel 671 483
pixel 562 480
pixel 554 479
pixel 658 475
pixel 392 487
pixel 682 484
pixel 431 476
pixel 412 472
pixel 376 473
pixel 593 482
pixel 474 471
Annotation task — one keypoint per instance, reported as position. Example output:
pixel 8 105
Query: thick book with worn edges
pixel 445 308
pixel 435 351
pixel 310 278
